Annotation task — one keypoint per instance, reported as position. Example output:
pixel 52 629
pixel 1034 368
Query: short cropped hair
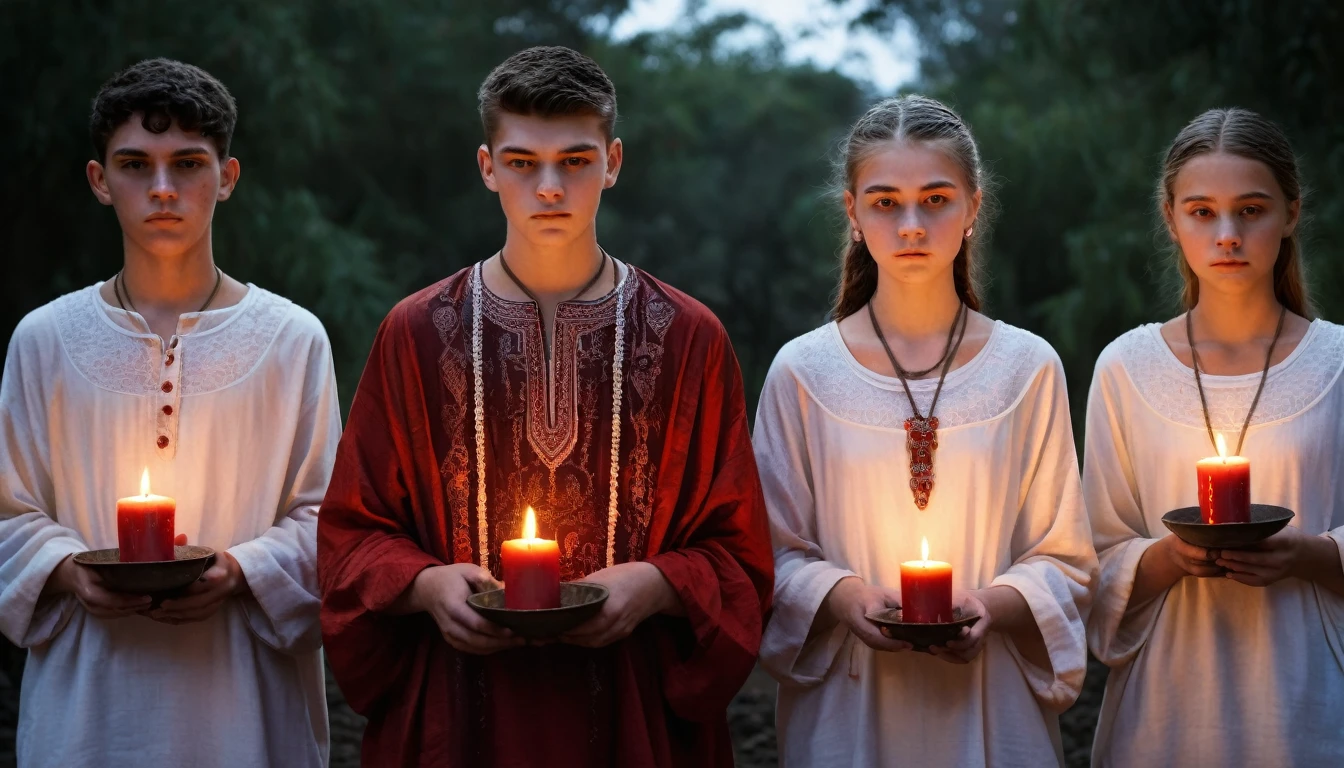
pixel 165 91
pixel 547 81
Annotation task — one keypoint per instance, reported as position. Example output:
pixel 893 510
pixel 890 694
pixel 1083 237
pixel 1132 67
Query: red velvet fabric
pixel 403 498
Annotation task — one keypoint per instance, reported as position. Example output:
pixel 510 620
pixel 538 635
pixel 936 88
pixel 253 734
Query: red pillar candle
pixel 1224 487
pixel 926 589
pixel 145 525
pixel 531 569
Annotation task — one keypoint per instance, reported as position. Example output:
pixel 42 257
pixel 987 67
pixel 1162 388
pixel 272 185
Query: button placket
pixel 168 402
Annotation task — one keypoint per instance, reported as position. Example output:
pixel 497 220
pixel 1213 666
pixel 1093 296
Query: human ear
pixel 850 212
pixel 615 156
pixel 228 178
pixel 97 176
pixel 973 211
pixel 1169 218
pixel 487 165
pixel 1294 215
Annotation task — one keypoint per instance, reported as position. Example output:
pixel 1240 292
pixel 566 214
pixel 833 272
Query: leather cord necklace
pixel 1199 383
pixel 922 430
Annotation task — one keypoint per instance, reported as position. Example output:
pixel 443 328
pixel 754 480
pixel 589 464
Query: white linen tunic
pixel 1006 509
pixel 239 423
pixel 1213 672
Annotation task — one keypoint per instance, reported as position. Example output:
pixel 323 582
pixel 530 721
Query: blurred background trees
pixel 358 128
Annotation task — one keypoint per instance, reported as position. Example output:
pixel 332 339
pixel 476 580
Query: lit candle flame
pixel 530 525
pixel 924 549
pixel 1222 446
pixel 144 482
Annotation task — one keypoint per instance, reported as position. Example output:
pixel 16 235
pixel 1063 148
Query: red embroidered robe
pixel 403 498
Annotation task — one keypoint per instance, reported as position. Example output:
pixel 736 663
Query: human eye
pixel 134 165
pixel 576 162
pixel 1251 210
pixel 936 199
pixel 1201 212
pixel 189 164
pixel 884 202
pixel 520 163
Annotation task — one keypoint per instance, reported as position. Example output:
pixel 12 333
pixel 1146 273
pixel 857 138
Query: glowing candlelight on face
pixel 145 525
pixel 1224 486
pixel 926 588
pixel 531 569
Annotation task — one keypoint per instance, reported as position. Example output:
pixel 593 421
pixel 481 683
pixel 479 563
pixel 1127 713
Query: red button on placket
pixel 167 386
pixel 163 441
pixel 167 410
pixel 170 359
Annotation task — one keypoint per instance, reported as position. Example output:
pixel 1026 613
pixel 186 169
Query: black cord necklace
pixel 922 431
pixel 119 285
pixel 545 342
pixel 1199 384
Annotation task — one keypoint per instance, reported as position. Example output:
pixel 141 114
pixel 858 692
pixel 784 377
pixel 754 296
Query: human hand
pixel 851 600
pixel 1189 559
pixel 442 592
pixel 638 590
pixel 971 641
pixel 1265 562
pixel 203 597
pixel 72 578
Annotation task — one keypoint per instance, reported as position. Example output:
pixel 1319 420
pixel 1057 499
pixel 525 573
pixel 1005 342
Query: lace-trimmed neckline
pixel 220 318
pixel 1179 368
pixel 893 383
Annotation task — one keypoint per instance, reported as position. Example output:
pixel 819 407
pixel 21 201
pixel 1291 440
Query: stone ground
pixel 751 718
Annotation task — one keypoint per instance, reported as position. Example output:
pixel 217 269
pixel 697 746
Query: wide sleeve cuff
pixel 1061 626
pixel 786 651
pixel 1116 631
pixel 283 607
pixel 27 618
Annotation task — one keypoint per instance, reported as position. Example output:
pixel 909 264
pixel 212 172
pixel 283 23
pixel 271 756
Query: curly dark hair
pixel 165 91
pixel 548 81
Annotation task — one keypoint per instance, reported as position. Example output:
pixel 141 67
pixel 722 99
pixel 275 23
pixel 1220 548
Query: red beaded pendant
pixel 922 440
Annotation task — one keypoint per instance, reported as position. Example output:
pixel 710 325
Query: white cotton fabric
pixel 1006 510
pixel 1214 672
pixel 251 438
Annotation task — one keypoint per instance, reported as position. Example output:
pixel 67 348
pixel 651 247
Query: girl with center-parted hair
pixel 1222 657
pixel 915 417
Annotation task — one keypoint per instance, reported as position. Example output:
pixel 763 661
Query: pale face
pixel 913 205
pixel 550 173
pixel 163 186
pixel 1229 216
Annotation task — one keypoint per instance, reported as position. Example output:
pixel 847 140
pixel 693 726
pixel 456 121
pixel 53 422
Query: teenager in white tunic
pixel 1231 658
pixel 226 393
pixel 1002 503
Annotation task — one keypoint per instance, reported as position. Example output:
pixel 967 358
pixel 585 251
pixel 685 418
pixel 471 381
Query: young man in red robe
pixel 549 375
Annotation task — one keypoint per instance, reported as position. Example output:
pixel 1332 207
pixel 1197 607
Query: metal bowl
pixel 1188 524
pixel 157 578
pixel 921 634
pixel 579 602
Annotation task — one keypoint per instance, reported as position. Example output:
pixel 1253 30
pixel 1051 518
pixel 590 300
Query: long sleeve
pixel 281 565
pixel 803 576
pixel 1054 565
pixel 716 554
pixel 32 543
pixel 365 551
pixel 1116 630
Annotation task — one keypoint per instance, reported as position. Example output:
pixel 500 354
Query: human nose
pixel 161 186
pixel 549 189
pixel 1229 234
pixel 910 226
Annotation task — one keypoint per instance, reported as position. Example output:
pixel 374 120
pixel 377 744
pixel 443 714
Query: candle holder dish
pixel 579 602
pixel 921 634
pixel 157 578
pixel 1188 525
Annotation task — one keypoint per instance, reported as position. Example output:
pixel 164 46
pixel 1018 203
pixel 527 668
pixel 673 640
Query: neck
pixel 1235 318
pixel 551 271
pixel 177 283
pixel 916 310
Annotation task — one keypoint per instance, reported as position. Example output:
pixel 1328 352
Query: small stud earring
pixel 857 236
pixel 969 230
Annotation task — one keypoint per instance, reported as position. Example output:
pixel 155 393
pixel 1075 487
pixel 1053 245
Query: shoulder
pixel 687 311
pixel 1029 349
pixel 1137 347
pixel 419 312
pixel 806 352
pixel 297 322
pixel 41 328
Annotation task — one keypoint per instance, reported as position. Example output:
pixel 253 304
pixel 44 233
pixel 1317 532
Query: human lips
pixel 1227 262
pixel 549 215
pixel 910 254
pixel 163 216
